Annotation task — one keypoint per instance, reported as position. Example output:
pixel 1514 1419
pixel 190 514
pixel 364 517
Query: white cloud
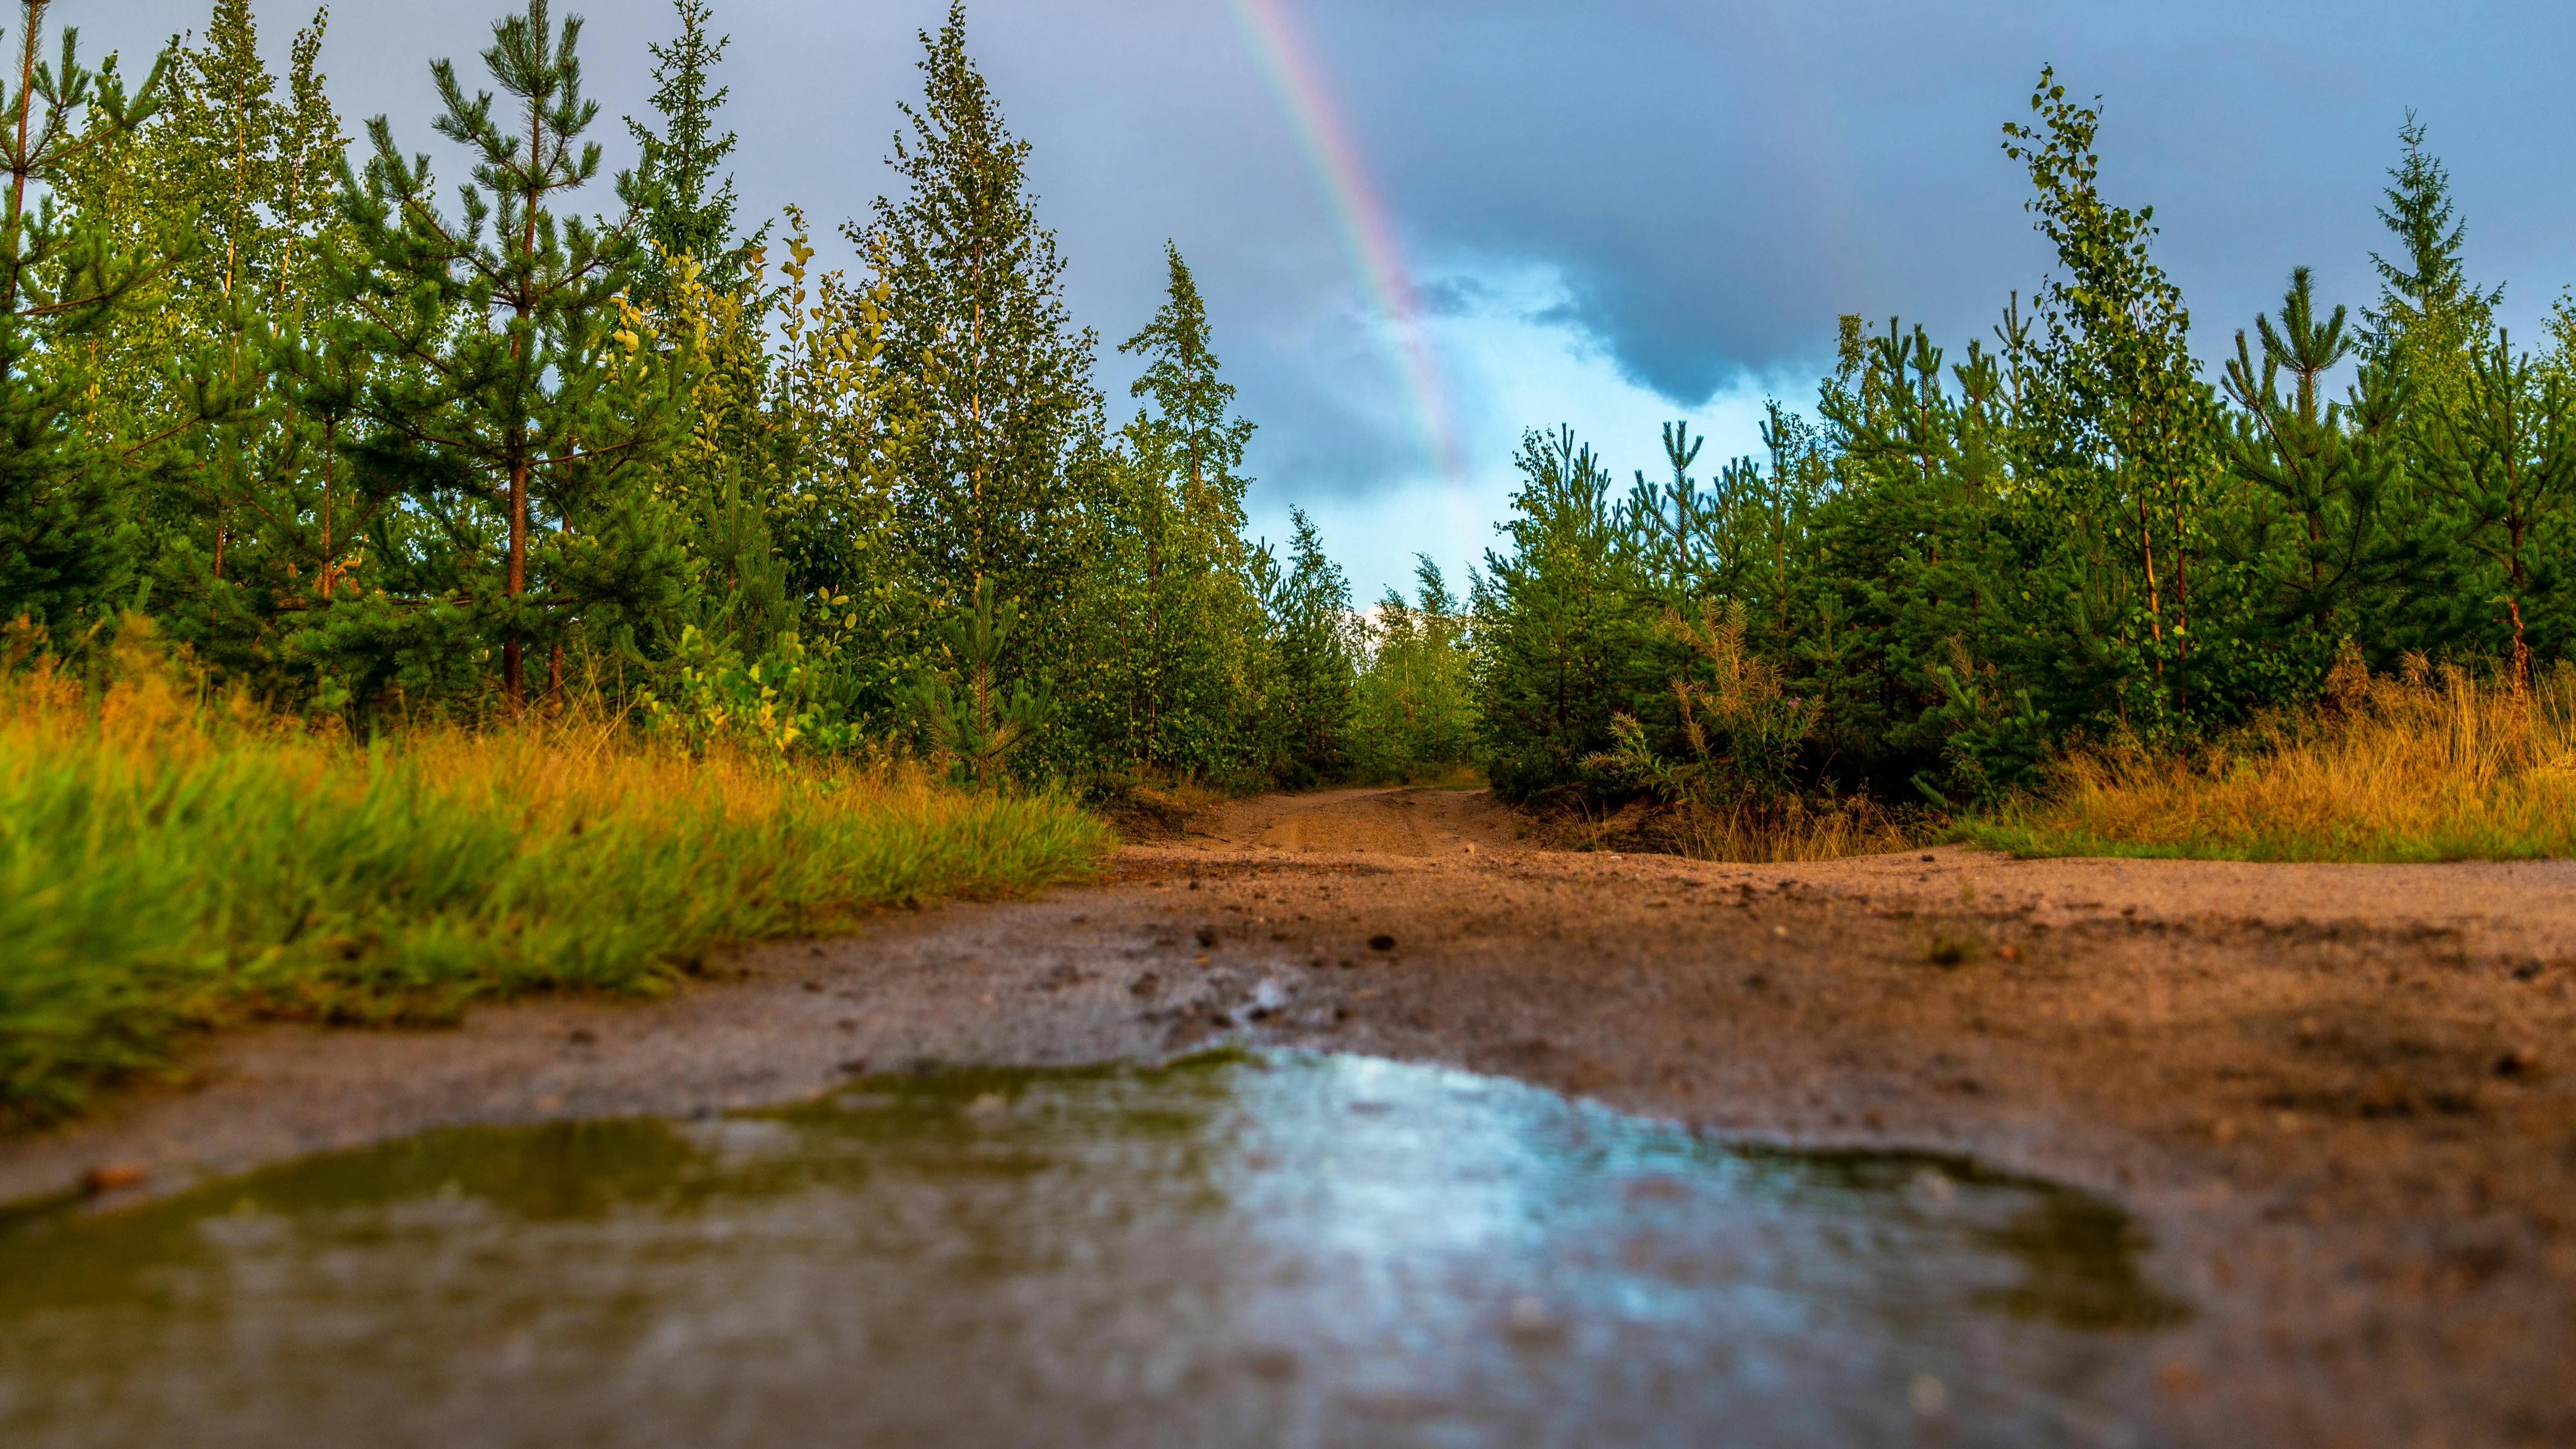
pixel 1512 357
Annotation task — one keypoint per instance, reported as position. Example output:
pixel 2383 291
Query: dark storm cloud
pixel 1713 181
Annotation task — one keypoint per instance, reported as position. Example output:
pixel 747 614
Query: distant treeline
pixel 1968 562
pixel 372 444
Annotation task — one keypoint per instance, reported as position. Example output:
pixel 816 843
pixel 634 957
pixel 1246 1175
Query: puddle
pixel 1295 1251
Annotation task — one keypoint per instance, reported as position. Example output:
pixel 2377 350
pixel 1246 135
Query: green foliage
pixel 688 205
pixel 1414 712
pixel 509 403
pixel 363 456
pixel 367 455
pixel 67 541
pixel 972 723
pixel 1964 570
pixel 1169 602
pixel 1742 732
pixel 1310 668
pixel 1563 645
pixel 980 345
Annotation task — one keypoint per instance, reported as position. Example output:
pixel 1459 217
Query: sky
pixel 1424 226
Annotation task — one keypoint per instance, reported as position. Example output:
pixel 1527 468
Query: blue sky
pixel 1624 211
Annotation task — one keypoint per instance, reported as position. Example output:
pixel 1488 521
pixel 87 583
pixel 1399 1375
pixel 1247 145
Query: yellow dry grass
pixel 1795 831
pixel 2439 763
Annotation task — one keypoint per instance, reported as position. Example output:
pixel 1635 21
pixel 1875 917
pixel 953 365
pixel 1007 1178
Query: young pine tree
pixel 234 181
pixel 1415 716
pixel 66 539
pixel 1564 639
pixel 2318 477
pixel 512 406
pixel 1310 668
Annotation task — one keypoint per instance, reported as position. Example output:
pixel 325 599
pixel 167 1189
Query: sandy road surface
pixel 2343 1098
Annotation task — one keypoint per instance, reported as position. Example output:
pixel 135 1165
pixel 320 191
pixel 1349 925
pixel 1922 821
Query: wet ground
pixel 1283 1250
pixel 2341 1101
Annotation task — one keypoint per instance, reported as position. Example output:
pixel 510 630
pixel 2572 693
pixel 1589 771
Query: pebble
pixel 114 1177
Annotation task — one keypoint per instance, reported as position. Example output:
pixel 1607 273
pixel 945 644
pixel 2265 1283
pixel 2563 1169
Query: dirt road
pixel 2342 1098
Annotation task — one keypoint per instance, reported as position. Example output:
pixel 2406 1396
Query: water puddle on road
pixel 1291 1250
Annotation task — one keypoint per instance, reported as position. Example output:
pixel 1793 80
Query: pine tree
pixel 513 406
pixel 2321 474
pixel 1414 716
pixel 2506 468
pixel 1188 610
pixel 688 209
pixel 1312 669
pixel 1562 626
pixel 980 347
pixel 65 531
pixel 235 182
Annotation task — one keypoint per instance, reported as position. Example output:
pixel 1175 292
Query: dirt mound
pixel 1402 822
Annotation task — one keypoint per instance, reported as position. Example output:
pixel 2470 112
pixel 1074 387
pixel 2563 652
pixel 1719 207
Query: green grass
pixel 167 868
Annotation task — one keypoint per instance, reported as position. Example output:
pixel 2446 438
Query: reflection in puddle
pixel 1320 1251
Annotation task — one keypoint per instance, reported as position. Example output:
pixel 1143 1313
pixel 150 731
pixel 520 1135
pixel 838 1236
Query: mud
pixel 2342 1099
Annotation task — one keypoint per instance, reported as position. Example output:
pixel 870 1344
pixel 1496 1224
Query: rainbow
pixel 1366 224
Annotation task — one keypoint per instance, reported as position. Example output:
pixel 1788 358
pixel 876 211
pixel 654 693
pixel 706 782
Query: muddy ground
pixel 2343 1099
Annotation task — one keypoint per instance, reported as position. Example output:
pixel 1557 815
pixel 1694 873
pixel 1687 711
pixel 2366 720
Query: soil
pixel 2342 1098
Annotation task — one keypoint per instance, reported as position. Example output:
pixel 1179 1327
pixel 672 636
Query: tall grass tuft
pixel 1793 830
pixel 170 862
pixel 2439 763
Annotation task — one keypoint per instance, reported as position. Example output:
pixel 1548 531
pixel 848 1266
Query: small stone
pixel 814 986
pixel 1927 1395
pixel 2520 1062
pixel 114 1177
pixel 2178 1378
pixel 582 1036
pixel 1381 943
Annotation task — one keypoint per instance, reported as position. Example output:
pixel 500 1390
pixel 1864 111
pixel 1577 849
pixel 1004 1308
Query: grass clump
pixel 2434 764
pixel 1794 830
pixel 171 863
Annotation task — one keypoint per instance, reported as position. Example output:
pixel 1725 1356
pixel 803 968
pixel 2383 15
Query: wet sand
pixel 2343 1098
